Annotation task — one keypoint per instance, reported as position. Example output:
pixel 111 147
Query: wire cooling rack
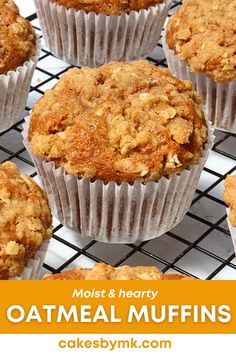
pixel 200 245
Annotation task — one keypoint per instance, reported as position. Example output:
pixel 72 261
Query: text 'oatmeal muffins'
pixel 103 271
pixel 18 58
pixel 121 122
pixel 200 45
pixel 108 7
pixel 92 33
pixel 25 220
pixel 102 138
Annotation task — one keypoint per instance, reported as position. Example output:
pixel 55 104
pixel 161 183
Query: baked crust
pixel 17 37
pixel 203 33
pixel 25 220
pixel 108 7
pixel 10 5
pixel 230 197
pixel 121 122
pixel 176 277
pixel 103 271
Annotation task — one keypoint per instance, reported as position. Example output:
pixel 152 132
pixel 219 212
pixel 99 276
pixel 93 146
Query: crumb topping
pixel 108 7
pixel 25 220
pixel 121 122
pixel 204 34
pixel 230 197
pixel 103 271
pixel 17 37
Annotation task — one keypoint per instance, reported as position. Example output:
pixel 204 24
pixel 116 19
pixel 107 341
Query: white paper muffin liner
pixel 219 100
pixel 90 39
pixel 34 265
pixel 232 230
pixel 14 89
pixel 124 213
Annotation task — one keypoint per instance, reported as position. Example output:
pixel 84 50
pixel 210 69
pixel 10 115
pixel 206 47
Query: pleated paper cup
pixel 232 230
pixel 90 39
pixel 219 100
pixel 118 213
pixel 14 90
pixel 34 265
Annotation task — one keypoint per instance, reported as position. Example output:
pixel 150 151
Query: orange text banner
pixel 117 307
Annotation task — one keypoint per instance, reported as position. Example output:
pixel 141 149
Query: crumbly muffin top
pixel 10 5
pixel 25 220
pixel 17 37
pixel 230 197
pixel 204 34
pixel 103 271
pixel 108 7
pixel 121 122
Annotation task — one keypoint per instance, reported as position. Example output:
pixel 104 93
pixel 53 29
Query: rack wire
pixel 199 246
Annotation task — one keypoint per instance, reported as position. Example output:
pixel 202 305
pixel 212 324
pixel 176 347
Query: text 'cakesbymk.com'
pixel 112 344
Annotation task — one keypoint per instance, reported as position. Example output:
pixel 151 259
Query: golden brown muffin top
pixel 17 37
pixel 25 220
pixel 10 5
pixel 204 34
pixel 108 7
pixel 230 197
pixel 103 271
pixel 121 122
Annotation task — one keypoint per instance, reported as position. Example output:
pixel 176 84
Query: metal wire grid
pixel 200 246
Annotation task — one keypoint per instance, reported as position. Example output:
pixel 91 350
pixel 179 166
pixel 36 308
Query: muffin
pixel 200 45
pixel 230 200
pixel 25 224
pixel 92 33
pixel 119 149
pixel 103 271
pixel 18 57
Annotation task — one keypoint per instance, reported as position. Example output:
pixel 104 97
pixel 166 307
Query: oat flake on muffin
pixel 25 220
pixel 103 271
pixel 121 122
pixel 108 7
pixel 17 37
pixel 203 33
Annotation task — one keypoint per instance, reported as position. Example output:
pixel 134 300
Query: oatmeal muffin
pixel 121 122
pixel 108 7
pixel 200 45
pixel 19 52
pixel 98 129
pixel 230 197
pixel 204 34
pixel 25 220
pixel 17 37
pixel 103 271
pixel 92 33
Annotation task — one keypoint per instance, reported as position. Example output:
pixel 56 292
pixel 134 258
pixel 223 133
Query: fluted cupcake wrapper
pixel 232 229
pixel 34 265
pixel 219 100
pixel 124 213
pixel 14 89
pixel 90 39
